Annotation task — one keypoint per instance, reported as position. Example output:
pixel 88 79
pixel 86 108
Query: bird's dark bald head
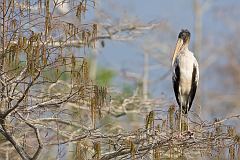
pixel 184 35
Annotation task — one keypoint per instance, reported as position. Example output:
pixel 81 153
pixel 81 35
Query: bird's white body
pixel 185 60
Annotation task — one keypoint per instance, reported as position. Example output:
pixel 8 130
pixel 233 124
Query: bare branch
pixel 21 99
pixel 18 148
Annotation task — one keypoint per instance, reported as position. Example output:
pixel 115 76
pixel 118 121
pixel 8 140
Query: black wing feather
pixel 176 81
pixel 193 87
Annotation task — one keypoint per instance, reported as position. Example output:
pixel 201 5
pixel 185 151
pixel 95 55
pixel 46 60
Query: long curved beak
pixel 177 49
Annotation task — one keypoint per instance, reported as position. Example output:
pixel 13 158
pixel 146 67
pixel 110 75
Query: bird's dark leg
pixel 185 122
pixel 186 128
pixel 180 118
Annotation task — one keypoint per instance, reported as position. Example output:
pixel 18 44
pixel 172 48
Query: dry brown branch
pixel 40 145
pixel 18 148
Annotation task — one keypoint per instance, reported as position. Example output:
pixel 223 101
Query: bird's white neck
pixel 184 48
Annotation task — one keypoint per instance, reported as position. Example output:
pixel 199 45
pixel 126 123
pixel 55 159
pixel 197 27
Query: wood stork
pixel 185 74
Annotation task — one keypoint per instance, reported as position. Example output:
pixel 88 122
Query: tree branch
pixel 18 148
pixel 4 115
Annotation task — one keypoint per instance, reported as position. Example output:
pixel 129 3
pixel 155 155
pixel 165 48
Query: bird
pixel 185 74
